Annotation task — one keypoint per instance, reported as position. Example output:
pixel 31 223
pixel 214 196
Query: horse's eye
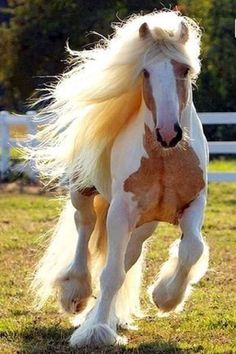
pixel 146 73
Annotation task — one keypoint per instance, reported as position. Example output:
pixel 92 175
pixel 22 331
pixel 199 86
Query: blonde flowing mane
pixel 102 93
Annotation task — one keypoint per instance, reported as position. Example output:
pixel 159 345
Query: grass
pixel 223 165
pixel 207 325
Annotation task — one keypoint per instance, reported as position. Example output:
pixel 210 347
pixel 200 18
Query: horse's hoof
pixel 74 293
pixel 99 335
pixel 78 305
pixel 166 299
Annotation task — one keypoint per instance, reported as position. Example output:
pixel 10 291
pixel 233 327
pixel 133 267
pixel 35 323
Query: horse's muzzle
pixel 169 139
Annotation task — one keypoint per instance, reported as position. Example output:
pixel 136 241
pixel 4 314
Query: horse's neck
pixel 188 119
pixel 191 122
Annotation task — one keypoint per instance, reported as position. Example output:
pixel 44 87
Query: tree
pixel 216 85
pixel 217 82
pixel 33 42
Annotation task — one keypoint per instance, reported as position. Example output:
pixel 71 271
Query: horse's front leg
pixel 95 331
pixel 74 284
pixel 188 260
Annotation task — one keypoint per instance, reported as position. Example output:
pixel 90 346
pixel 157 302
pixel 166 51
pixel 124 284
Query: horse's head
pixel 166 84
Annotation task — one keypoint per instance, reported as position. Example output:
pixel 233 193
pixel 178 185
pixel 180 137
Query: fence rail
pixel 220 147
pixel 6 142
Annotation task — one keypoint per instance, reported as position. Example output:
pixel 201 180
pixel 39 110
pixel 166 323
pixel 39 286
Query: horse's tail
pixel 61 251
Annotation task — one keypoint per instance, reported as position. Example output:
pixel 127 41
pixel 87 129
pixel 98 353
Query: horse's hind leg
pixel 75 282
pixel 188 261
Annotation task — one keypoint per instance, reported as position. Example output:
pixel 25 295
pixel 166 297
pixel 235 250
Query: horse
pixel 122 131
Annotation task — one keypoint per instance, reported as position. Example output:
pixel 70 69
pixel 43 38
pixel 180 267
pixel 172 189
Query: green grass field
pixel 207 325
pixel 223 165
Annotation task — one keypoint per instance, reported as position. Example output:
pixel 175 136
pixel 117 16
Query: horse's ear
pixel 184 33
pixel 144 30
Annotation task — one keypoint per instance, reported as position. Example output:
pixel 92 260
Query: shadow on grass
pixel 54 340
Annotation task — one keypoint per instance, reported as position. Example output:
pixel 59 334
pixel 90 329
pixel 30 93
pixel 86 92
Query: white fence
pixel 220 147
pixel 6 142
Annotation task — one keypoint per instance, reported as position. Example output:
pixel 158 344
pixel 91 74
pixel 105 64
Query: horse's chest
pixel 165 183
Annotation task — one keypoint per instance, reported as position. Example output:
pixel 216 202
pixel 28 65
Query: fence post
pixel 32 126
pixel 32 131
pixel 4 163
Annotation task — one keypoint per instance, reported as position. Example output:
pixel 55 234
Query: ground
pixel 207 325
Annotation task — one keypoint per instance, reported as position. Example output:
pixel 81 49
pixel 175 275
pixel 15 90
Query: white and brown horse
pixel 127 137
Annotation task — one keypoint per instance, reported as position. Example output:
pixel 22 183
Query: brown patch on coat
pixel 148 95
pixel 182 92
pixel 182 83
pixel 181 74
pixel 166 183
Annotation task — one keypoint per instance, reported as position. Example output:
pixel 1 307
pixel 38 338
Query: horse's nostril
pixel 178 129
pixel 164 144
pixel 178 136
pixel 159 138
pixel 173 142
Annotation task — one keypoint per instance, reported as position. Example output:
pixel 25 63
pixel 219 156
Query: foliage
pixel 206 326
pixel 217 83
pixel 33 43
